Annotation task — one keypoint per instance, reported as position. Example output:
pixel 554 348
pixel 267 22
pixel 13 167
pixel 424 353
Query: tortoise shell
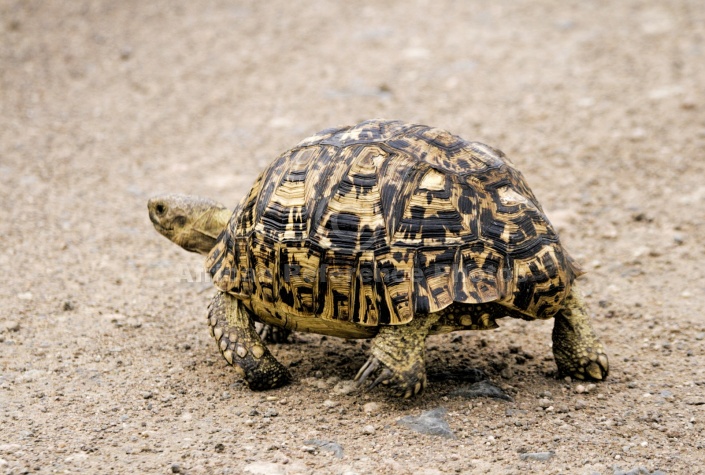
pixel 383 222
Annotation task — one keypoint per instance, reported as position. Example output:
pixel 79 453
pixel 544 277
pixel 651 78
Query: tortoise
pixel 383 230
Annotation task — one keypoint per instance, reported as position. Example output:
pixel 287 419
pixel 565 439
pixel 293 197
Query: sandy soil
pixel 106 365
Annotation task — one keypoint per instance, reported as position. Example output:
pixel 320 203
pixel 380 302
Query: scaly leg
pixel 576 348
pixel 233 328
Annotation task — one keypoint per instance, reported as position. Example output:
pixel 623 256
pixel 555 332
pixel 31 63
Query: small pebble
pixel 327 446
pixel 25 296
pixel 116 318
pixel 175 468
pixel 77 457
pixel 695 401
pixel 133 322
pixel 368 430
pixel 271 412
pixel 125 53
pixel 371 408
pixel 9 449
pixel 328 403
pixel 580 404
pixel 537 456
pixel 688 104
pixel 544 403
pixel 344 387
pixel 11 326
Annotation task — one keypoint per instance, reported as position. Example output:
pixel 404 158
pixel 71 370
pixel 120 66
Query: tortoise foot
pixel 576 348
pixel 233 328
pixel 591 364
pixel 403 382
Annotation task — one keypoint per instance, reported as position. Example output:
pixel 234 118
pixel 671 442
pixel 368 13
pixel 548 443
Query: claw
pixel 367 369
pixel 382 378
pixel 272 334
pixel 405 384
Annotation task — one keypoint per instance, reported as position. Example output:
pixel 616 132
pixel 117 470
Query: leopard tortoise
pixel 382 230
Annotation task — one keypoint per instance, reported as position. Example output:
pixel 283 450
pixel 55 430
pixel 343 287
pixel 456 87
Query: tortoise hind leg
pixel 399 351
pixel 233 328
pixel 576 348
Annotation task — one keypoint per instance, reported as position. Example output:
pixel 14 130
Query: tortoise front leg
pixel 232 326
pixel 577 350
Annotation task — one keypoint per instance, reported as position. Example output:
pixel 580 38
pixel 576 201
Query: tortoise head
pixel 192 222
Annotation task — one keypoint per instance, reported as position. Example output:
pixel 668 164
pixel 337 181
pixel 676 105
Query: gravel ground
pixel 106 365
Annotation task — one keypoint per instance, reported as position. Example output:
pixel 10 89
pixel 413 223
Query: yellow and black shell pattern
pixel 383 222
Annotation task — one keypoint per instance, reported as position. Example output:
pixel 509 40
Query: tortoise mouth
pixel 160 227
pixel 157 222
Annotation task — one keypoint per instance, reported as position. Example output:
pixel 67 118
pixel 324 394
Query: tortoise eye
pixel 160 209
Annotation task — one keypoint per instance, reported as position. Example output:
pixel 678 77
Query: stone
pixel 537 456
pixel 344 387
pixel 430 422
pixel 482 389
pixel 326 445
